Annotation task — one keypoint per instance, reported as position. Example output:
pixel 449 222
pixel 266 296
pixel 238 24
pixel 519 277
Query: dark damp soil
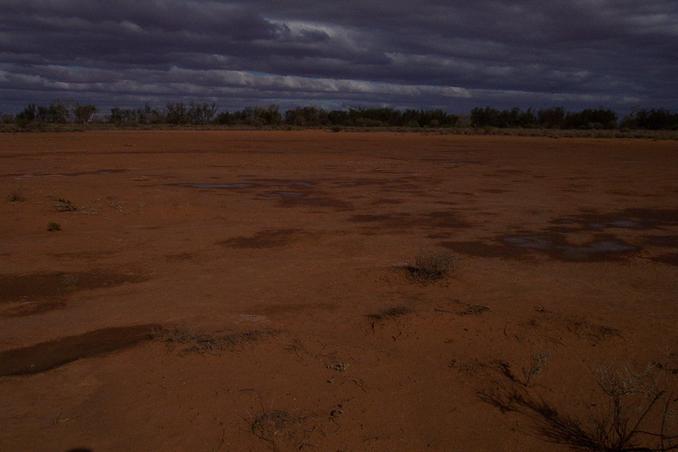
pixel 49 355
pixel 32 286
pixel 269 238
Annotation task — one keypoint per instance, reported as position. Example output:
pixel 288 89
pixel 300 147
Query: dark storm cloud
pixel 429 53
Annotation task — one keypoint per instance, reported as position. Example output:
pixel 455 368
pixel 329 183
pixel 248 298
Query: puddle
pixel 596 250
pixel 637 218
pixel 556 246
pixel 602 248
pixel 529 241
pixel 32 286
pixel 49 355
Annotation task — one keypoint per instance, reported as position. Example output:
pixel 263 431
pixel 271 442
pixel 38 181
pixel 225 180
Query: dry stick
pixel 642 417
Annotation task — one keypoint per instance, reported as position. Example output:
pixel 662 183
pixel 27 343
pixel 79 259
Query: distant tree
pixel 201 113
pixel 339 118
pixel 177 113
pixel 492 117
pixel 7 118
pixel 598 118
pixel 307 117
pixel 251 116
pixel 84 113
pixel 655 119
pixel 551 118
pixel 56 113
pixel 27 115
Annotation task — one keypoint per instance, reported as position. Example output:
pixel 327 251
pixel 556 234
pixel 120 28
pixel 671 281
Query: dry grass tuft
pixel 430 267
pixel 64 205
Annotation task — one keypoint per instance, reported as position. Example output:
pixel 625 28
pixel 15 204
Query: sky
pixel 451 54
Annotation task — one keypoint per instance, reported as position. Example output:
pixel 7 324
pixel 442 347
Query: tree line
pixel 180 113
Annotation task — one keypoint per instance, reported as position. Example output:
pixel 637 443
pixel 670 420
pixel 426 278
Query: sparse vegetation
pixel 537 365
pixel 484 119
pixel 430 267
pixel 16 196
pixel 473 309
pixel 207 343
pixel 552 118
pixel 639 416
pixel 64 205
pixel 84 113
pixel 280 429
pixel 53 227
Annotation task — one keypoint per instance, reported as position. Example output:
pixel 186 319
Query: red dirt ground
pixel 246 290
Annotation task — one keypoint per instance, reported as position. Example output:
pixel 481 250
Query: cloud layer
pixel 430 53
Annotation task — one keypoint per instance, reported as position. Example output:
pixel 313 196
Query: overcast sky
pixel 424 53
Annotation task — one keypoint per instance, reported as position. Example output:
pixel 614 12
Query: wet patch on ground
pixel 600 248
pixel 270 238
pixel 179 257
pixel 391 183
pixel 287 192
pixel 496 191
pixel 387 201
pixel 215 186
pixel 31 308
pixel 49 355
pixel 603 247
pixel 670 259
pixel 390 314
pixel 277 184
pixel 630 194
pixel 662 241
pixel 444 219
pixel 306 199
pixel 96 172
pixel 636 218
pixel 36 286
pixel 479 248
pixel 82 254
pixel 292 308
pixel 551 324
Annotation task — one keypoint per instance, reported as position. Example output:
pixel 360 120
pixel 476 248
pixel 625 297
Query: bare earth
pixel 248 290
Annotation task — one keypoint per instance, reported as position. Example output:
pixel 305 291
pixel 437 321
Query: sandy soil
pixel 249 290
